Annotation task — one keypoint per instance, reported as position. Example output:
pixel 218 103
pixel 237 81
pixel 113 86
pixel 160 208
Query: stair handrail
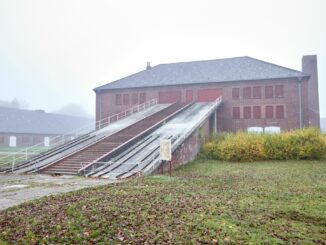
pixel 127 142
pixel 89 128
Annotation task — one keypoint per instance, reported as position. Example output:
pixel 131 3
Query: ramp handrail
pixel 183 137
pixel 153 158
pixel 138 136
pixel 10 160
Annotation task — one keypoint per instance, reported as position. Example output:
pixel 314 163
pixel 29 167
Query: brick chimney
pixel 309 66
pixel 148 66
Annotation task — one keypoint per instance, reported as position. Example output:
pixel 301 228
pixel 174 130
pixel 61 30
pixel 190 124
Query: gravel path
pixel 16 189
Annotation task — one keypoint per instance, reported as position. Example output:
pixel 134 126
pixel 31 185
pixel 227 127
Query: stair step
pixel 72 164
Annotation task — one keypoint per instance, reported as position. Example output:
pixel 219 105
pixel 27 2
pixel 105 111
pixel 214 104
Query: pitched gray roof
pixel 207 71
pixel 38 122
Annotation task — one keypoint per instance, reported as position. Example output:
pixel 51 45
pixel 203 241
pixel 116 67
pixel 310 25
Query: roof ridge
pixel 277 65
pixel 163 64
pixel 42 113
pixel 129 76
pixel 194 61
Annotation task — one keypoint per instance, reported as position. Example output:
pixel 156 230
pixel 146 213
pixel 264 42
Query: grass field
pixel 6 154
pixel 22 149
pixel 204 202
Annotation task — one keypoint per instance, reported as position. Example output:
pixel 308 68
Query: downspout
pixel 300 99
pixel 215 126
pixel 100 108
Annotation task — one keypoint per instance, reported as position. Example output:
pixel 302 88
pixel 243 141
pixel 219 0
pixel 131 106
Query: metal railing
pixel 153 161
pixel 181 138
pixel 136 170
pixel 11 160
pixel 106 121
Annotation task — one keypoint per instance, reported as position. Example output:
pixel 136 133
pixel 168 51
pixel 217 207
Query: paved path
pixel 15 189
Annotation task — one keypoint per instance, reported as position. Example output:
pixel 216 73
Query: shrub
pixel 299 144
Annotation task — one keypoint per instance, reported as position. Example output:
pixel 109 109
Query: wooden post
pixel 170 168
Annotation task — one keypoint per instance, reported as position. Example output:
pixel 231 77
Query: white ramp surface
pixel 142 156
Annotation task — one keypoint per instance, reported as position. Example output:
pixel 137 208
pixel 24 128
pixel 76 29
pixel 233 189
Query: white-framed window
pixel 46 141
pixel 255 130
pixel 12 141
pixel 272 130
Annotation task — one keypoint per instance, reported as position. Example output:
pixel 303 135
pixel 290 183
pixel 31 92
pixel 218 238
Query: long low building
pixel 256 94
pixel 22 128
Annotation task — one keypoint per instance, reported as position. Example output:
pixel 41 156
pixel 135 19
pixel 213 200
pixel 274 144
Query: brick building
pixel 22 128
pixel 255 93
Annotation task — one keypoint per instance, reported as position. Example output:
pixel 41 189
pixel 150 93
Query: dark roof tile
pixel 220 70
pixel 38 122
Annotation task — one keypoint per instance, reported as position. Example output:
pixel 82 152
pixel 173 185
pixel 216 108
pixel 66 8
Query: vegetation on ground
pixel 9 154
pixel 307 144
pixel 23 149
pixel 203 202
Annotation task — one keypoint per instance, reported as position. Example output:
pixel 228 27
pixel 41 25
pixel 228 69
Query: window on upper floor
pixel 269 92
pixel 280 111
pixel 247 92
pixel 269 111
pixel 142 98
pixel 247 112
pixel 134 99
pixel 235 93
pixel 256 91
pixel 126 99
pixel 118 99
pixel 279 93
pixel 257 112
pixel 236 112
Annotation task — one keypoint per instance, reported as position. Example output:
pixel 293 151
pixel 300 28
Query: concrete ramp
pixel 112 144
pixel 84 141
pixel 143 157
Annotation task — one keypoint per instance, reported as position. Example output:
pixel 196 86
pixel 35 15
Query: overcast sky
pixel 53 53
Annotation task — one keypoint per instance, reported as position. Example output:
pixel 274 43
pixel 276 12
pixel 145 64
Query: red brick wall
pixel 309 66
pixel 188 149
pixel 23 140
pixel 106 102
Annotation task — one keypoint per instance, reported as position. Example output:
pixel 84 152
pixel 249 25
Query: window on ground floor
pixel 280 112
pixel 36 140
pixel 257 112
pixel 236 112
pixel 269 111
pixel 247 112
pixel 25 139
pixel 46 141
pixel 12 141
pixel 255 130
pixel 274 130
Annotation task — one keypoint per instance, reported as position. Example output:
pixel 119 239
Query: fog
pixel 53 53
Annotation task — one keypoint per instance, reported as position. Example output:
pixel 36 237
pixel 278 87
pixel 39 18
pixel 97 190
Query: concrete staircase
pixel 70 165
